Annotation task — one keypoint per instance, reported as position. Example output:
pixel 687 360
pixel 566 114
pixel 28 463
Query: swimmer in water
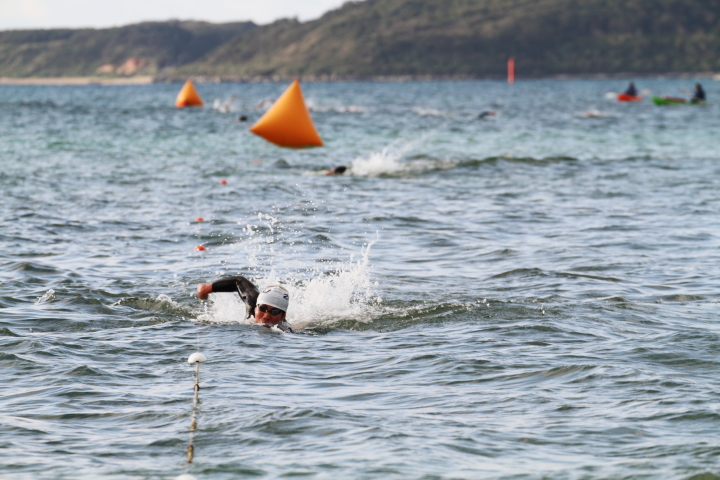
pixel 487 113
pixel 268 307
pixel 337 170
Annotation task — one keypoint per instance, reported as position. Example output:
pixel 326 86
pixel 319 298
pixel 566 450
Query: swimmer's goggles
pixel 273 311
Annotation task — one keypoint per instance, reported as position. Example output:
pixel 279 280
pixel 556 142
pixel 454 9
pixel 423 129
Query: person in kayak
pixel 698 94
pixel 631 90
pixel 269 307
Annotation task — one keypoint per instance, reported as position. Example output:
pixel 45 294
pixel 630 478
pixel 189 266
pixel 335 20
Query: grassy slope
pixel 398 37
pixel 49 53
pixel 475 37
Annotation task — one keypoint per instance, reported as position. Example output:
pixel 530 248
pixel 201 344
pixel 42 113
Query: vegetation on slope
pixel 155 45
pixel 476 37
pixel 397 37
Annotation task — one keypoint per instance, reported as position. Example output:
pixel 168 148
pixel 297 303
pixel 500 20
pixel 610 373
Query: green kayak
pixel 673 101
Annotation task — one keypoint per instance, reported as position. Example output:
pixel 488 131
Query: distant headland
pixel 385 39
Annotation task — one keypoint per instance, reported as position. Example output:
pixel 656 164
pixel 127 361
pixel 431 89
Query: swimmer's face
pixel 267 316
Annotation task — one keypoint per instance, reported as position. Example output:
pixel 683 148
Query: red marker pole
pixel 511 70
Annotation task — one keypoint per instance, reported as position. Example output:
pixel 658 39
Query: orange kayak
pixel 624 97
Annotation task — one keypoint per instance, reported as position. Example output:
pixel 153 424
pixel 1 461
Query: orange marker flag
pixel 511 70
pixel 288 122
pixel 188 96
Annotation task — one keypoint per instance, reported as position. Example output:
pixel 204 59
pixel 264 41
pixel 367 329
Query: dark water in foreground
pixel 531 295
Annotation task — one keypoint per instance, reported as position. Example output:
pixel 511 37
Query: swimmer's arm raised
pixel 203 290
pixel 242 286
pixel 230 284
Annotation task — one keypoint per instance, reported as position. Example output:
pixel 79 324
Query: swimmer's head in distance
pixel 275 296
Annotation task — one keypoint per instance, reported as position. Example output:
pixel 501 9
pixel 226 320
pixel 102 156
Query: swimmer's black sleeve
pixel 285 327
pixel 244 287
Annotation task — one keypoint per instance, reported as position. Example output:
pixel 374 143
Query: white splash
pixel 327 298
pixel 224 308
pixel 389 161
pixel 593 113
pixel 264 104
pixel 185 476
pixel 47 296
pixel 345 292
pixel 336 107
pixel 430 112
pixel 225 106
pixel 379 163
pixel 166 299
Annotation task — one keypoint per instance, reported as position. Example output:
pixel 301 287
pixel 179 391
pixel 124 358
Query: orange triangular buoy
pixel 188 96
pixel 288 122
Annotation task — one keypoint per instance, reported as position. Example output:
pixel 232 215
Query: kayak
pixel 624 97
pixel 668 100
pixel 673 101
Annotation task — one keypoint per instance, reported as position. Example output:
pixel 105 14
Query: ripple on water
pixel 527 296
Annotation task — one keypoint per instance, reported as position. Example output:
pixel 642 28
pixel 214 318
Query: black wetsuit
pixel 631 90
pixel 248 293
pixel 699 95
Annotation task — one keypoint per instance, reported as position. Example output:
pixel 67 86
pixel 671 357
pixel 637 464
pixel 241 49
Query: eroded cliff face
pixel 139 49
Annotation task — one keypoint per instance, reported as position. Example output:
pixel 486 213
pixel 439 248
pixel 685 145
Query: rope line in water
pixel 197 358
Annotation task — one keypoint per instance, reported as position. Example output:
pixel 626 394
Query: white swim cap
pixel 275 296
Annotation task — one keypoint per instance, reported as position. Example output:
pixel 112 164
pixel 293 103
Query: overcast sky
pixel 21 14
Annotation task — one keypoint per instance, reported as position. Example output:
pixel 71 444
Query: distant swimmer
pixel 631 90
pixel 487 113
pixel 337 170
pixel 268 307
pixel 242 118
pixel 698 94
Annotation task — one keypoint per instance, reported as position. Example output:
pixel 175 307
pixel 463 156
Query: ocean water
pixel 527 295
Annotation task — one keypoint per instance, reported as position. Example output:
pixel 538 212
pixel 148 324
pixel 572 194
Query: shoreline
pixel 147 79
pixel 139 80
pixel 426 78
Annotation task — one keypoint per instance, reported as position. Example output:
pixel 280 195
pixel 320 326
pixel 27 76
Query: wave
pixel 46 297
pixel 161 303
pixel 402 160
pixel 30 104
pixel 380 163
pixel 430 112
pixel 335 107
pixel 594 113
pixel 387 163
pixel 6 332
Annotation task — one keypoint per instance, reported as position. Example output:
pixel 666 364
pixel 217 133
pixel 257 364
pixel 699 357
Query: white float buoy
pixel 185 476
pixel 197 357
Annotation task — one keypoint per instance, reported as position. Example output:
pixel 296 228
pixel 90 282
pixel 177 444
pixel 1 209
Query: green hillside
pixel 66 52
pixel 475 38
pixel 397 37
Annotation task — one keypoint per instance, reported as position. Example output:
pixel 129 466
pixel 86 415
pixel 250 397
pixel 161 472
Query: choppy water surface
pixel 530 295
